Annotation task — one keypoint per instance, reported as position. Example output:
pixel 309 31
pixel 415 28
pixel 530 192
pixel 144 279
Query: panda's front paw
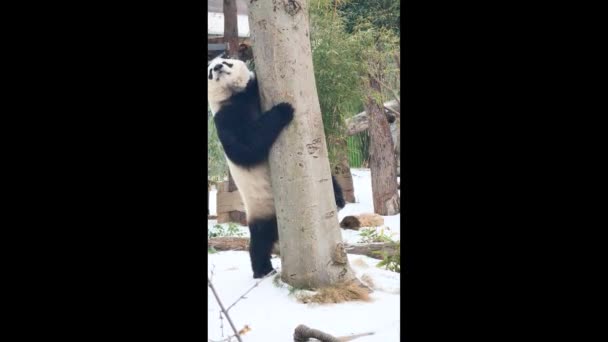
pixel 285 111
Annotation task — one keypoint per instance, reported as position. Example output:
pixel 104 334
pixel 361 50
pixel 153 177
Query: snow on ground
pixel 273 314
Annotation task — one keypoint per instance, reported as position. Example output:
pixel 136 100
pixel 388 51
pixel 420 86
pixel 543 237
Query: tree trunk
pixel 398 147
pixel 309 235
pixel 382 156
pixel 345 179
pixel 231 29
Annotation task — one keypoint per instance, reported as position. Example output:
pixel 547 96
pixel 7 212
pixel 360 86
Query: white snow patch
pixel 273 314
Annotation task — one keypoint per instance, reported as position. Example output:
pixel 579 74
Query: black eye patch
pixel 210 74
pixel 228 64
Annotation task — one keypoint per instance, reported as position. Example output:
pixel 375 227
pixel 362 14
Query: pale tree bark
pixel 309 235
pixel 382 156
pixel 231 29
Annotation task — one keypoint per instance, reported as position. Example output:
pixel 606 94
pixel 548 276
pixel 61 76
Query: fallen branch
pixel 360 122
pixel 302 333
pixel 372 250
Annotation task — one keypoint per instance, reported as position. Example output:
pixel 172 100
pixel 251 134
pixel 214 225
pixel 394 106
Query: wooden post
pixel 230 207
pixel 231 29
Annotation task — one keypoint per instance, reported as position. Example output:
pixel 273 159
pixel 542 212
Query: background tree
pixel 379 50
pixel 310 240
pixel 337 67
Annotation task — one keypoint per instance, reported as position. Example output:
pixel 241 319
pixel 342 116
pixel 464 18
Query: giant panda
pixel 247 135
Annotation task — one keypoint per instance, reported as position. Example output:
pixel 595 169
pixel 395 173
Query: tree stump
pixel 345 180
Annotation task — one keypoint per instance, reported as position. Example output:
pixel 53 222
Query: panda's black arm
pixel 265 131
pixel 271 123
pixel 251 149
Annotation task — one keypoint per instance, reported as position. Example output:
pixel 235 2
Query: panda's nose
pixel 217 67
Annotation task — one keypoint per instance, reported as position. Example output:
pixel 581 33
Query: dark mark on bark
pixel 314 146
pixel 292 7
pixel 329 214
pixel 323 180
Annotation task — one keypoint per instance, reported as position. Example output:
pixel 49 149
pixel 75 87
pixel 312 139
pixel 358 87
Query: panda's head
pixel 225 77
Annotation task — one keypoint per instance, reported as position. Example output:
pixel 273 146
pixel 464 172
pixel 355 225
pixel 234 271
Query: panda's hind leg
pixel 264 234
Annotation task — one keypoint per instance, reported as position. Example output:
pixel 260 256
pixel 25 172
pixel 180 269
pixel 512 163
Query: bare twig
pixel 210 284
pixel 212 273
pixel 251 288
pixel 222 323
pixel 227 339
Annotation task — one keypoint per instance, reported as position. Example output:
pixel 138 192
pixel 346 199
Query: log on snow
pixel 372 250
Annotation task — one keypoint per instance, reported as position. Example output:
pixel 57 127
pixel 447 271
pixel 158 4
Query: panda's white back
pixel 255 189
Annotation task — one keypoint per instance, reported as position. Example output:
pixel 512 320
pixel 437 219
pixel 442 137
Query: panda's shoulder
pixel 250 94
